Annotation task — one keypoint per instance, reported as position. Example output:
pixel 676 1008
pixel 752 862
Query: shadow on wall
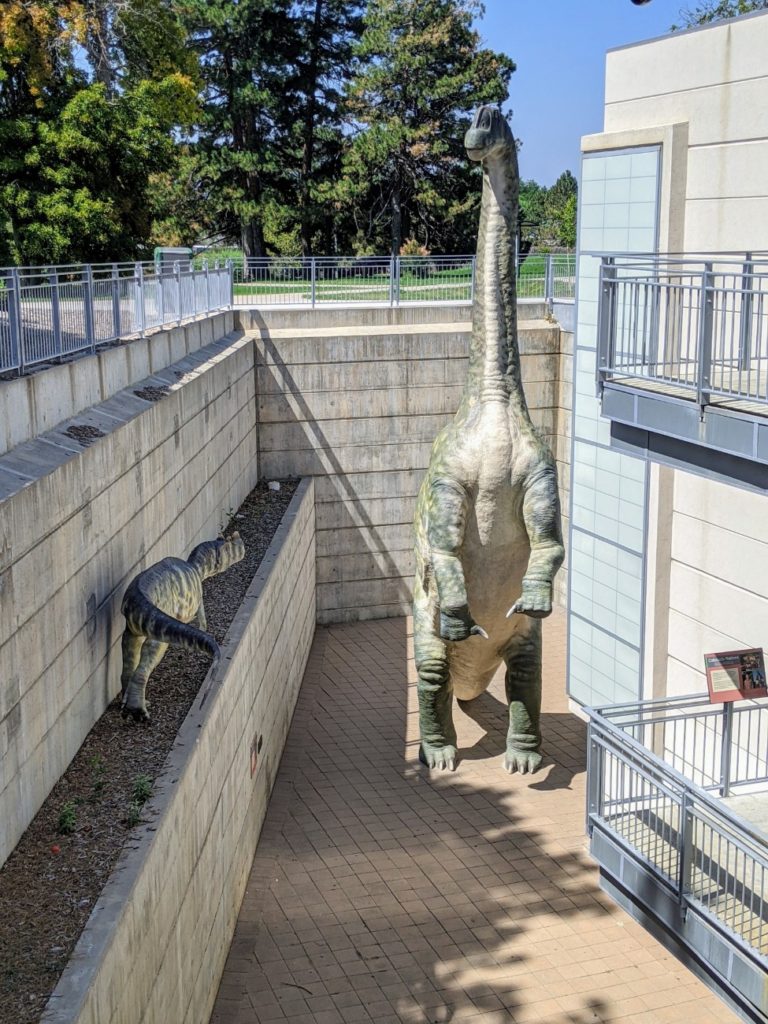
pixel 371 565
pixel 385 894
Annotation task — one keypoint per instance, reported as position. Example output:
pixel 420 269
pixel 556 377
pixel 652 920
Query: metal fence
pixel 653 767
pixel 390 280
pixel 50 312
pixel 47 313
pixel 697 324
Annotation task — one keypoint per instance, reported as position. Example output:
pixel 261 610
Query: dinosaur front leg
pixel 438 735
pixel 134 703
pixel 541 514
pixel 448 507
pixel 523 686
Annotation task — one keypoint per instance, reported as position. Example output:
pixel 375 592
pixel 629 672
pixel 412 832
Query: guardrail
pixel 698 324
pixel 390 280
pixel 50 312
pixel 47 313
pixel 652 769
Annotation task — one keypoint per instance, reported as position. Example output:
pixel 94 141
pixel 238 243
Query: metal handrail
pixel 714 860
pixel 52 312
pixel 696 324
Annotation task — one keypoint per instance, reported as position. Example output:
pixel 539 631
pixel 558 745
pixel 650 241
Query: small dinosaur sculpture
pixel 159 605
pixel 487 528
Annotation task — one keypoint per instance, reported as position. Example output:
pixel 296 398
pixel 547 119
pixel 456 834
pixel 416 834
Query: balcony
pixel 677 806
pixel 683 354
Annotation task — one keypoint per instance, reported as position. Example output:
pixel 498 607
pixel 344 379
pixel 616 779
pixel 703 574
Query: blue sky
pixel 559 47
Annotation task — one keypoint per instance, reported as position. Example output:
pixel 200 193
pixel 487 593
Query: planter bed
pixel 81 863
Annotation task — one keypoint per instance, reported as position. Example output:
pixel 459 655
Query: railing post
pixel 685 851
pixel 177 276
pixel 90 333
pixel 313 278
pixel 594 778
pixel 53 281
pixel 397 280
pixel 606 320
pixel 725 750
pixel 549 285
pixel 474 271
pixel 160 279
pixel 13 284
pixel 231 273
pixel 138 278
pixel 706 324
pixel 391 280
pixel 745 327
pixel 115 288
pixel 207 286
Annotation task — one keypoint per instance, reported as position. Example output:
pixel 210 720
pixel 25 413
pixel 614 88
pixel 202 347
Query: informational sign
pixel 735 675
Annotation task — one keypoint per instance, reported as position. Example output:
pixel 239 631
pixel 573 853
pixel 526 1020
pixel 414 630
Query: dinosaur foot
pixel 437 757
pixel 523 761
pixel 137 714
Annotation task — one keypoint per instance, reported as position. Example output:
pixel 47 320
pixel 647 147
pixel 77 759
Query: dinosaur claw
pixel 478 631
pixel 512 611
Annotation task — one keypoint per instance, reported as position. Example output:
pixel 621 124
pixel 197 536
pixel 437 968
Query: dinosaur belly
pixel 494 558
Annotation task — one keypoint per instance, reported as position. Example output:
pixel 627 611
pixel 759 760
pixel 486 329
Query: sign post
pixel 732 676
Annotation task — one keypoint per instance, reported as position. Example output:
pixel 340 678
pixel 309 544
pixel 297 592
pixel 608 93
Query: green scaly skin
pixel 159 605
pixel 487 528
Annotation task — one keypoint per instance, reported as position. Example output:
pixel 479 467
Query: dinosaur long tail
pixel 157 625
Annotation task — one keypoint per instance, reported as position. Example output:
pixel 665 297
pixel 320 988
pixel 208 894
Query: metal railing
pixel 390 280
pixel 47 313
pixel 653 767
pixel 698 324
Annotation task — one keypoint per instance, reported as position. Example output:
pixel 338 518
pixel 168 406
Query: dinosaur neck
pixel 494 364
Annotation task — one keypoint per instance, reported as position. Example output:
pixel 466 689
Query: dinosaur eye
pixel 486 121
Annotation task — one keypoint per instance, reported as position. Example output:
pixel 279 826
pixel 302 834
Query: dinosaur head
pixel 215 556
pixel 488 135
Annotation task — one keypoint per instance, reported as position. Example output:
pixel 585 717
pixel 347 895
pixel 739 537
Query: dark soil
pixel 53 878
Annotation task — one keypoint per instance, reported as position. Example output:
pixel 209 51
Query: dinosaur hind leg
pixel 134 703
pixel 438 735
pixel 523 686
pixel 132 645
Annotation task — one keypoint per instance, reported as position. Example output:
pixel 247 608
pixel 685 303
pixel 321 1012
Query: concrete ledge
pixel 31 405
pixel 155 945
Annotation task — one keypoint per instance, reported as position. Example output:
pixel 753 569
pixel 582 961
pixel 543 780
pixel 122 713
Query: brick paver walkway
pixel 379 893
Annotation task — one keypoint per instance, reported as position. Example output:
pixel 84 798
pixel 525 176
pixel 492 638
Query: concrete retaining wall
pixel 33 404
pixel 155 945
pixel 78 523
pixel 358 407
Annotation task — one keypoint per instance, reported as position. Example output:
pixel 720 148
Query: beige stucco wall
pixel 79 524
pixel 707 584
pixel 716 80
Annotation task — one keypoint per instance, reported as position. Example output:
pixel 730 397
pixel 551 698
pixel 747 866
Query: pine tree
pixel 420 70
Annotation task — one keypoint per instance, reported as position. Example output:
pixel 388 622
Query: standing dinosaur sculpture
pixel 488 535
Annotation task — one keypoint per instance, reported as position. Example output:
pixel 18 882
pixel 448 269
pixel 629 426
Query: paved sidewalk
pixel 379 893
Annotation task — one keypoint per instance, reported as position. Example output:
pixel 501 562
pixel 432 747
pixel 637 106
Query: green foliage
pixel 142 789
pixel 134 814
pixel 548 215
pixel 67 818
pixel 419 72
pixel 717 10
pixel 78 146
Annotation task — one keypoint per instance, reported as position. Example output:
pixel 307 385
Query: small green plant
pixel 227 515
pixel 68 818
pixel 134 813
pixel 142 789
